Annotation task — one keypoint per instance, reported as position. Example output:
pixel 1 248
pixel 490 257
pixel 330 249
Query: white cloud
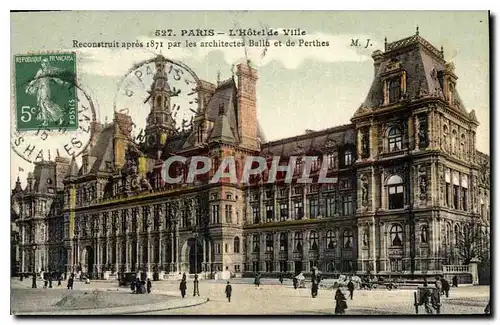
pixel 116 61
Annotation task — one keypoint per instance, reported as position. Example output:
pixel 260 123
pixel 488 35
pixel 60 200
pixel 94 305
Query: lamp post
pixel 34 248
pixel 195 235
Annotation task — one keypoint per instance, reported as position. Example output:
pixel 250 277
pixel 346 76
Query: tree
pixel 472 243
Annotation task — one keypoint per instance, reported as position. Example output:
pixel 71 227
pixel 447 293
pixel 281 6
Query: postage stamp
pixel 45 91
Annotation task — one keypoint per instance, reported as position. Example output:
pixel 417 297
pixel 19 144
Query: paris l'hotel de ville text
pixel 409 180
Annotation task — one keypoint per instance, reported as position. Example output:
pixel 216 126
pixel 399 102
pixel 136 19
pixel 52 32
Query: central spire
pixel 160 123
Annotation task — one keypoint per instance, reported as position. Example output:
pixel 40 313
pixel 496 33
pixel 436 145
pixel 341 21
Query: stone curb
pixel 124 310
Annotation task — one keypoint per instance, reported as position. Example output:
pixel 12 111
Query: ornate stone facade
pixel 407 179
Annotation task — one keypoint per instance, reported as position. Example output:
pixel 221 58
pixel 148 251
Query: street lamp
pixel 34 247
pixel 195 235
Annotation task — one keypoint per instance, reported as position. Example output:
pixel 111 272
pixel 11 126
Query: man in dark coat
pixel 229 291
pixel 281 278
pixel 295 283
pixel 183 288
pixel 314 287
pixel 446 287
pixel 59 279
pixel 350 287
pixel 340 302
pixel 455 281
pixel 196 289
pixel 257 280
pixel 133 285
pixel 70 283
pixel 149 285
pixel 50 279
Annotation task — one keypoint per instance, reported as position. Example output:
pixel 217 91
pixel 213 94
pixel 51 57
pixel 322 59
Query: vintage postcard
pixel 250 163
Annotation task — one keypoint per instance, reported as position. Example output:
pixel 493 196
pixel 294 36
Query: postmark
pixel 136 90
pixel 45 91
pixel 67 138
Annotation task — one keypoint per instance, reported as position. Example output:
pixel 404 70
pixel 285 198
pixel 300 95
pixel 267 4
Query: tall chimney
pixel 377 57
pixel 247 105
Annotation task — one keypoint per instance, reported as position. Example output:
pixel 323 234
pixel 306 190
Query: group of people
pixel 138 286
pixel 196 288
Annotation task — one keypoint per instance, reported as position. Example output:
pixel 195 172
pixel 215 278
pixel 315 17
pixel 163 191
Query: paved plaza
pixel 271 298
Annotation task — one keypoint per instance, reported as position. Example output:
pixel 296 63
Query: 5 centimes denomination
pixel 45 91
pixel 44 142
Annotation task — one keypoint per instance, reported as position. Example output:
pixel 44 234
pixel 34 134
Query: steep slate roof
pixel 73 168
pixel 224 99
pixel 103 149
pixel 422 63
pixel 313 142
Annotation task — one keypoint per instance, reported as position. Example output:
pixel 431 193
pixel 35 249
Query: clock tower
pixel 160 123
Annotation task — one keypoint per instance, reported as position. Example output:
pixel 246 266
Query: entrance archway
pixel 87 260
pixel 195 256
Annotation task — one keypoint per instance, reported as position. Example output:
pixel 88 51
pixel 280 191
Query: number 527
pixel 27 113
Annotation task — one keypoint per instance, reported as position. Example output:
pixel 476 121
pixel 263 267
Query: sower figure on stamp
pixel 229 290
pixel 183 287
pixel 196 290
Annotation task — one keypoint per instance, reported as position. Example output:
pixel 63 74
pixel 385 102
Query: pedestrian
pixel 314 287
pixel 439 285
pixel 184 276
pixel 133 285
pixel 454 280
pixel 350 287
pixel 281 278
pixel 149 285
pixel 446 287
pixel 50 280
pixel 59 281
pixel 425 298
pixel 45 281
pixel 340 302
pixel 295 282
pixel 21 277
pixel 70 283
pixel 183 288
pixel 229 290
pixel 196 289
pixel 256 281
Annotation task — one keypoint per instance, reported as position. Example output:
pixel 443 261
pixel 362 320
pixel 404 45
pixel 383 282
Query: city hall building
pixel 408 182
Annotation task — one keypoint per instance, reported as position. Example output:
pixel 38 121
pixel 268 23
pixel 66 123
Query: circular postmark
pixel 158 93
pixel 52 115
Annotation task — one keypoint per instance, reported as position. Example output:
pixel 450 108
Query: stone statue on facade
pixel 365 145
pixel 364 190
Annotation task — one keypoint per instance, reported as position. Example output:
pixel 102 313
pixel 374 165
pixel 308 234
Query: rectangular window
pixel 313 208
pixel 283 211
pixel 269 243
pixel 396 197
pixel 255 196
pixel 348 158
pixel 396 265
pixel 269 266
pixel 217 248
pixel 282 192
pixel 215 214
pixel 269 194
pixel 256 213
pixel 331 161
pixel 394 89
pixel 269 213
pixel 447 194
pixel 298 190
pixel 315 164
pixel 229 213
pixel 464 199
pixel 237 268
pixel 455 196
pixel 299 167
pixel 330 206
pixel 298 209
pixel 347 205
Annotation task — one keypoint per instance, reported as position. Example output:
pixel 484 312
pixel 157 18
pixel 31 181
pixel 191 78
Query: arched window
pixel 269 242
pixel 454 141
pixel 330 239
pixel 395 138
pixel 424 234
pixel 298 241
pixel 283 242
pixel 313 240
pixel 255 243
pixel 236 244
pixel 395 191
pixel 347 238
pixel 396 233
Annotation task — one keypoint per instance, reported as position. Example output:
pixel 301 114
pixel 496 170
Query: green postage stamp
pixel 46 91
